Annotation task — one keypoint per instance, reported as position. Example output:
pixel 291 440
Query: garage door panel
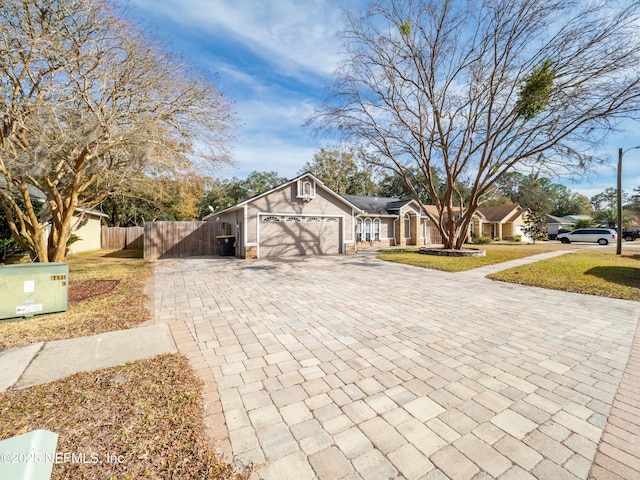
pixel 305 236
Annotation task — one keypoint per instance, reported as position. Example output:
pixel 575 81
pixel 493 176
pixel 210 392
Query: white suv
pixel 596 235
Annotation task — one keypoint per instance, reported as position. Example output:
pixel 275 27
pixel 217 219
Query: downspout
pixel 395 242
pixel 245 228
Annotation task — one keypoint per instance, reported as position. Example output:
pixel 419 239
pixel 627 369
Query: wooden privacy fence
pixel 181 239
pixel 167 239
pixel 122 238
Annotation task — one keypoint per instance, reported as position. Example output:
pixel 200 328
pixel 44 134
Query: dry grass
pixel 496 253
pixel 595 273
pixel 122 308
pixel 146 416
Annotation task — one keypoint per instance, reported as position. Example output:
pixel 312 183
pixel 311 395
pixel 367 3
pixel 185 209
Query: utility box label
pixel 26 309
pixel 29 286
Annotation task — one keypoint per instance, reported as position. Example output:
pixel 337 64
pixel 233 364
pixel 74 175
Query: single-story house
pixel 554 224
pixel 86 223
pixel 389 221
pixel 500 223
pixel 305 217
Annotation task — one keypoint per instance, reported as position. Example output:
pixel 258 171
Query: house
pixel 305 217
pixel 554 224
pixel 500 223
pixel 388 221
pixel 86 223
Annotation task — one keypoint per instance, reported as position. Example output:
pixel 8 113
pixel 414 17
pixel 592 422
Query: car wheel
pixel 629 238
pixel 603 241
pixel 565 240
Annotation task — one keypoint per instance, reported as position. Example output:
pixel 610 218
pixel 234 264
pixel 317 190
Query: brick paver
pixel 349 367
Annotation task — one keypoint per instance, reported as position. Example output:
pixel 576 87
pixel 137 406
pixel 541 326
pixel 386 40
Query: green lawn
pixel 497 253
pixel 595 273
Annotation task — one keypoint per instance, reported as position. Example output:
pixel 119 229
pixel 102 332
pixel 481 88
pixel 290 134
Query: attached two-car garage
pixel 289 235
pixel 299 217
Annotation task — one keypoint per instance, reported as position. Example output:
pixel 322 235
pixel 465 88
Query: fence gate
pixel 435 236
pixel 180 239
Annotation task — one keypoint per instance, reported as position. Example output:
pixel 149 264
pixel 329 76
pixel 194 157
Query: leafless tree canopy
pixel 478 88
pixel 86 100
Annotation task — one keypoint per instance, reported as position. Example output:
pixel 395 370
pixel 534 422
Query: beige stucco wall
pixel 284 201
pixel 386 234
pixel 87 227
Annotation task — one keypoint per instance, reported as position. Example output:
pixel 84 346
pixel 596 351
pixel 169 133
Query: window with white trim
pixel 376 230
pixel 293 219
pixel 367 230
pixel 271 218
pixel 306 189
pixel 359 230
pixel 407 225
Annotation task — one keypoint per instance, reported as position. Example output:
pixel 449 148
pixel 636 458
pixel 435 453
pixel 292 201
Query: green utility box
pixel 33 289
pixel 29 456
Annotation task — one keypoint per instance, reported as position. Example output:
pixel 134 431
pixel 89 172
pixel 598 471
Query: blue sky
pixel 274 59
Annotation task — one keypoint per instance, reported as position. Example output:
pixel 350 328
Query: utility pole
pixel 619 199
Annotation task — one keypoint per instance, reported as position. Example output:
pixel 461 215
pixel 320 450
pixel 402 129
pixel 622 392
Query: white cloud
pixel 287 160
pixel 295 36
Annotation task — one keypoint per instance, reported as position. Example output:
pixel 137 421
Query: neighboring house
pixel 572 219
pixel 500 223
pixel 554 224
pixel 305 217
pixel 86 223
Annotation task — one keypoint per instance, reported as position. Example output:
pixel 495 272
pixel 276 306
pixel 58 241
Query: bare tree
pixel 470 90
pixel 88 100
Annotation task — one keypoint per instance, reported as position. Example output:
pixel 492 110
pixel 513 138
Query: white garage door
pixel 282 236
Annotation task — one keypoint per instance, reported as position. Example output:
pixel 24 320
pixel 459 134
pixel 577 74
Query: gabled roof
pixel 317 181
pixel 502 213
pixel 91 211
pixel 377 205
pixel 433 210
pixel 34 192
pixel 554 219
pixel 575 218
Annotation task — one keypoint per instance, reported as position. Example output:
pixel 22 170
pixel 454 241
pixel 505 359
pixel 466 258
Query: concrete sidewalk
pixel 45 362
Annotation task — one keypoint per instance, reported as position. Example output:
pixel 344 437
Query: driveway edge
pixel 618 454
pixel 216 427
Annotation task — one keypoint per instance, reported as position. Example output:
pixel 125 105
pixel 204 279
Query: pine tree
pixel 536 228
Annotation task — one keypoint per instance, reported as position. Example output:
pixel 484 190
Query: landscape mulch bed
pixel 82 289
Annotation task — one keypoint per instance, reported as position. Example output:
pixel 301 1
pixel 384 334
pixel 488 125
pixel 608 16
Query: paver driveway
pixel 350 367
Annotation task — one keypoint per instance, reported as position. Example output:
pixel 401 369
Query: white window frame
pixel 376 230
pixel 306 189
pixel 367 230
